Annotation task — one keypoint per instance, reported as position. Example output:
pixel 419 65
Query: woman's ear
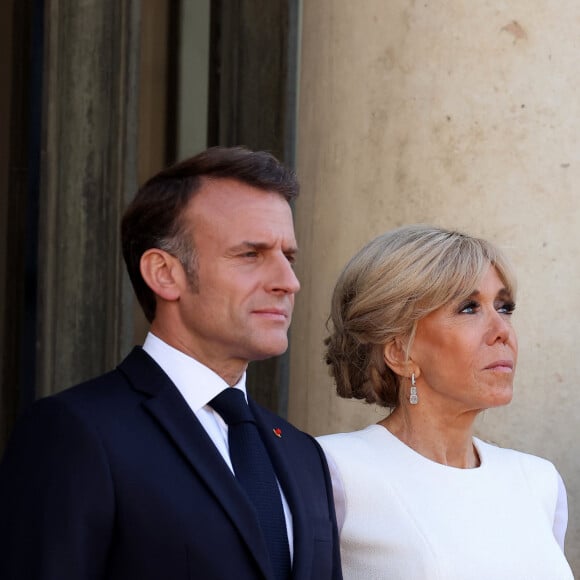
pixel 395 356
pixel 163 273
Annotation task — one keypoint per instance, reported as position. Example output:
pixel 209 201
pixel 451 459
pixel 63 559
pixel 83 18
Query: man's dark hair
pixel 154 218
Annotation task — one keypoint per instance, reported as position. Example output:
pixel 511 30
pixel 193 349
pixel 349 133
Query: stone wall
pixel 464 115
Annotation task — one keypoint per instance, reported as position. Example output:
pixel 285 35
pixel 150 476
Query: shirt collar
pixel 197 383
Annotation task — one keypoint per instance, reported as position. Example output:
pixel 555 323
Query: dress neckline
pixel 418 457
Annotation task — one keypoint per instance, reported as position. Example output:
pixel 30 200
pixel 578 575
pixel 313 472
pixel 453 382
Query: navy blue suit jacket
pixel 117 479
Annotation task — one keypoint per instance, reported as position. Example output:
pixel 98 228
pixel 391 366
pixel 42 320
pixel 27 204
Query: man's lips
pixel 504 366
pixel 273 313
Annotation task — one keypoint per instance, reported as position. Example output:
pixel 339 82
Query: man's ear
pixel 163 273
pixel 395 356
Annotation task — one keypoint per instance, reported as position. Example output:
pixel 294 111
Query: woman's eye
pixel 507 308
pixel 469 307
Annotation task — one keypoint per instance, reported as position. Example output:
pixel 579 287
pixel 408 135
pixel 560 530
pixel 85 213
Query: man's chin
pixel 271 349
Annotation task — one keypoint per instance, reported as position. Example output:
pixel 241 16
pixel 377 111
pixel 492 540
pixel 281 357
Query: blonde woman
pixel 421 324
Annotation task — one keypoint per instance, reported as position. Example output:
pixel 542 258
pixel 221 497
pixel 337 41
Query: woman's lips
pixel 503 366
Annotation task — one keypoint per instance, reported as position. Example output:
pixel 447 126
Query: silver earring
pixel 413 398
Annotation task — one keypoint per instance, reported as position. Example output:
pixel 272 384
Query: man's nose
pixel 284 278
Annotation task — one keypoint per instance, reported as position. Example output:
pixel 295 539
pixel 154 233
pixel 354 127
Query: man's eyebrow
pixel 291 250
pixel 253 245
pixel 249 245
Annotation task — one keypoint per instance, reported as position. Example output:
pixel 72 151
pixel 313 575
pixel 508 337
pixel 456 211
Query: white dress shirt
pixel 199 385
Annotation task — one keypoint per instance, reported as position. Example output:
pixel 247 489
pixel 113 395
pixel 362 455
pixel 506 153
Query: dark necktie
pixel 256 475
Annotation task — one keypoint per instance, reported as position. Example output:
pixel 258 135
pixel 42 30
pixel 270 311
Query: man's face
pixel 245 248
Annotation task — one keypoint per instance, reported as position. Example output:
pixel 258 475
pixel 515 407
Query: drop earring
pixel 413 398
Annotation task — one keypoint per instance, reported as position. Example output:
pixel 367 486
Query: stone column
pixel 88 169
pixel 464 115
pixel 252 102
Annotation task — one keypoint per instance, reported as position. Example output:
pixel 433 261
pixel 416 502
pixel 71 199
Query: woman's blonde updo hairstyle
pixel 386 288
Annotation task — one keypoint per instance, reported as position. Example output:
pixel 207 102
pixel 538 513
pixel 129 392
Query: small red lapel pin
pixel 278 432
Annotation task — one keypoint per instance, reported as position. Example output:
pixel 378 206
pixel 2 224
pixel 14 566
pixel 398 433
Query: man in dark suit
pixel 131 475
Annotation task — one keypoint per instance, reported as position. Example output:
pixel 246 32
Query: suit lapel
pixel 276 446
pixel 174 416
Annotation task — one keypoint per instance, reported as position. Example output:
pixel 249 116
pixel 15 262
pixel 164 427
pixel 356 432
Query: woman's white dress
pixel 403 516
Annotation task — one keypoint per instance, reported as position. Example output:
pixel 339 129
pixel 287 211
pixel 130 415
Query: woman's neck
pixel 445 441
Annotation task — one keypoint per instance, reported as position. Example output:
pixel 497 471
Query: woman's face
pixel 466 351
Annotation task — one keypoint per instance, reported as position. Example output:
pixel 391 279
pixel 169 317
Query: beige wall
pixel 462 114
